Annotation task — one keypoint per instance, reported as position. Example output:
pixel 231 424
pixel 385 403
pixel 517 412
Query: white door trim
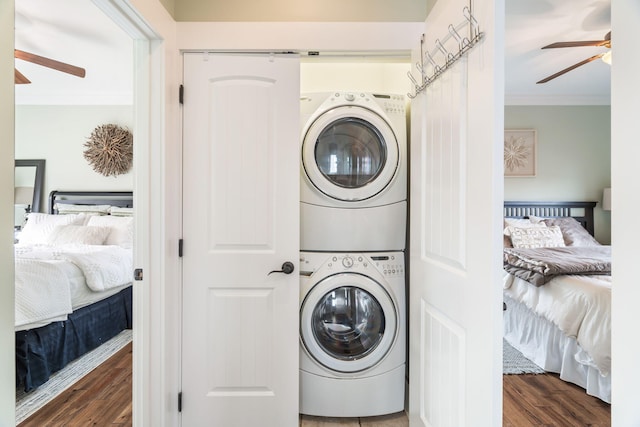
pixel 147 85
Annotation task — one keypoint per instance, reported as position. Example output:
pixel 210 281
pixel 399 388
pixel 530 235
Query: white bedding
pixel 543 343
pixel 52 281
pixel 580 306
pixel 42 291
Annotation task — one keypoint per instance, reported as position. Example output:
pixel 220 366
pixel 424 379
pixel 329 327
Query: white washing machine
pixel 352 334
pixel 353 188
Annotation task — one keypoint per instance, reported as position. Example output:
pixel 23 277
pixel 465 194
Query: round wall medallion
pixel 109 150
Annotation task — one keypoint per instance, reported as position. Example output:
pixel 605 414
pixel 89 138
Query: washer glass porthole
pixel 348 323
pixel 350 152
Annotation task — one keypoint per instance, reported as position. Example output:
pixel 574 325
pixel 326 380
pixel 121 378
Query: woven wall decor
pixel 109 150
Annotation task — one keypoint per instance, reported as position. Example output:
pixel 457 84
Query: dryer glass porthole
pixel 348 323
pixel 350 152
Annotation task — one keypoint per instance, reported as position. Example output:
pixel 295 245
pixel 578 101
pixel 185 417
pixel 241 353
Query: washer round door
pixel 350 153
pixel 348 322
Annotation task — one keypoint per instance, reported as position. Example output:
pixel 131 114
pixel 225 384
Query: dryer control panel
pixel 392 104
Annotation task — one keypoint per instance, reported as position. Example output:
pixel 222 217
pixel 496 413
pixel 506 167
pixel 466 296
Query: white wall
pixel 7 335
pixel 366 75
pixel 57 133
pixel 573 157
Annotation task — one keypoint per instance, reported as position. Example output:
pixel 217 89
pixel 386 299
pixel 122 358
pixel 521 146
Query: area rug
pixel 28 403
pixel 515 363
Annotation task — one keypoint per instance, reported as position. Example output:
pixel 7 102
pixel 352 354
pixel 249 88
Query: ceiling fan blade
pixel 577 44
pixel 20 79
pixel 604 42
pixel 574 66
pixel 50 63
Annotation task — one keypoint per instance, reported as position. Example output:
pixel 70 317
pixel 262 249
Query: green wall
pixel 573 156
pixel 57 133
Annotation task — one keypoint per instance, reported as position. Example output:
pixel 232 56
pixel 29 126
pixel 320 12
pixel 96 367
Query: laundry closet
pixel 242 144
pixel 353 228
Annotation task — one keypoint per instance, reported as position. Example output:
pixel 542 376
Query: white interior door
pixel 241 210
pixel 455 253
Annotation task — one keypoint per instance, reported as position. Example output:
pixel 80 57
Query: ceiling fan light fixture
pixel 607 57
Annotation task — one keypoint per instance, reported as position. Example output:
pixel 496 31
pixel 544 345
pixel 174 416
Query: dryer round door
pixel 350 153
pixel 348 322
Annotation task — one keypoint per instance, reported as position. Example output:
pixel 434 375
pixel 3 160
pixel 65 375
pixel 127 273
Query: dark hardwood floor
pixel 103 398
pixel 546 400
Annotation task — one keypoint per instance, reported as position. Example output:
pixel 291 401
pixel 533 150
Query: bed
pixel 73 275
pixel 559 315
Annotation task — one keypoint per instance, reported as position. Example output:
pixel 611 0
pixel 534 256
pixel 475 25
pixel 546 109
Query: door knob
pixel 287 268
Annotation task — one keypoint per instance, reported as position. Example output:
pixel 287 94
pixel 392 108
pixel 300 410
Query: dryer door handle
pixel 287 268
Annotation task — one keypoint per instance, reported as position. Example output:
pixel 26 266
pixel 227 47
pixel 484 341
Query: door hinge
pixel 180 245
pixel 137 274
pixel 180 402
pixel 181 94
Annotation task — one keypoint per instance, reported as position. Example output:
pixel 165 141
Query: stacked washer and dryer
pixel 353 236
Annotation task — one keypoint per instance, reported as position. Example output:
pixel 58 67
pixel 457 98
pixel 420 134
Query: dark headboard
pixel 580 211
pixel 123 199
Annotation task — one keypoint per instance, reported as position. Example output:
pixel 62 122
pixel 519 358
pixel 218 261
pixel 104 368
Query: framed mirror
pixel 29 186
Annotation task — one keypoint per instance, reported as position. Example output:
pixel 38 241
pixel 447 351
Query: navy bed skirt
pixel 43 351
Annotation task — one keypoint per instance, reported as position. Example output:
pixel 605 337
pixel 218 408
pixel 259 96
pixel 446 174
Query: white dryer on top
pixel 354 172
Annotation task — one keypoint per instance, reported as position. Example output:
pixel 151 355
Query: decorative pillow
pixel 80 234
pixel 516 222
pixel 40 225
pixel 121 229
pixel 536 237
pixel 573 232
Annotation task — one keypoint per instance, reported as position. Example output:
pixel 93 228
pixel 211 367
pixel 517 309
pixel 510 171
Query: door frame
pixel 148 85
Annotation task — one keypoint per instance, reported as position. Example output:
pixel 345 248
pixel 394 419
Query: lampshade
pixel 23 196
pixel 606 199
pixel 606 58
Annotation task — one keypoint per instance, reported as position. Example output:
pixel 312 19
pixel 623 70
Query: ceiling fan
pixel 45 62
pixel 606 42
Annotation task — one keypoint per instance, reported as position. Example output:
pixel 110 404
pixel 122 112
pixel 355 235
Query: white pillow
pixel 573 232
pixel 40 225
pixel 536 237
pixel 79 234
pixel 67 208
pixel 119 211
pixel 121 229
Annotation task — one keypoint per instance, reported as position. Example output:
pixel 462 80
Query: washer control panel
pixel 389 264
pixel 347 262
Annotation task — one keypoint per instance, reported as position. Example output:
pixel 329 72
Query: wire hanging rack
pixel 429 68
